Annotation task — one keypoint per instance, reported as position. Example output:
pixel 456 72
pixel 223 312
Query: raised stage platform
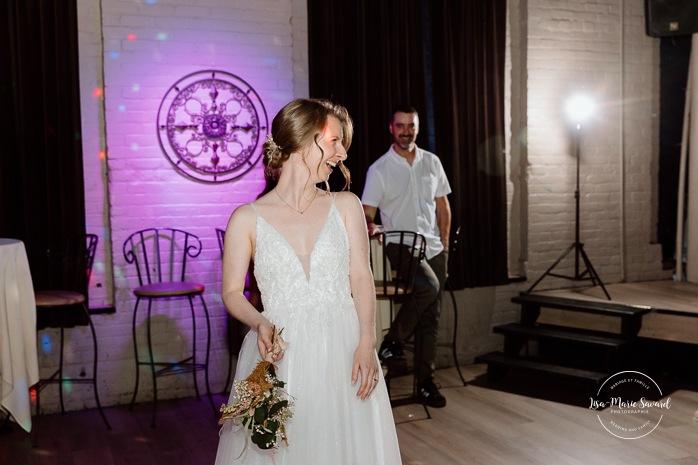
pixel 580 335
pixel 672 309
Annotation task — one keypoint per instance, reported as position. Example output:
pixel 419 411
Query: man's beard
pixel 405 143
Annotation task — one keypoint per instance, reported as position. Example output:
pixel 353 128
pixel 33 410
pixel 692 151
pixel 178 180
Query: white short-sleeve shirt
pixel 406 195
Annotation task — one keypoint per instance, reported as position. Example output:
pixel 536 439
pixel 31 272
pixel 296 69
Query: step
pixel 501 360
pixel 561 333
pixel 631 316
pixel 587 306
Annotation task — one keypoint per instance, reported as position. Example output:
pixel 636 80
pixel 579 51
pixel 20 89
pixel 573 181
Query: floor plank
pixel 483 423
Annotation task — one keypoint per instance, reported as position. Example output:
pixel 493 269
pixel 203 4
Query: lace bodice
pixel 289 295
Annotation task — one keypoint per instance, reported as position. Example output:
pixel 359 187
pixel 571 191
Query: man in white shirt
pixel 409 187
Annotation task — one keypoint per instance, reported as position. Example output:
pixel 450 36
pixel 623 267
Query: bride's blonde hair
pixel 296 126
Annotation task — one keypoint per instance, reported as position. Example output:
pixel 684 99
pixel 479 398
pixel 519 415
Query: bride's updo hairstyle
pixel 299 124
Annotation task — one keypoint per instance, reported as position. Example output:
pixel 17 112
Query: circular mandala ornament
pixel 212 125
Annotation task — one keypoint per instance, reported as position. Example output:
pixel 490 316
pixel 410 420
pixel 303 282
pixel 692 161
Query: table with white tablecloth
pixel 19 368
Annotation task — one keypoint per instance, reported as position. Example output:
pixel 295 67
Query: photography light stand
pixel 588 273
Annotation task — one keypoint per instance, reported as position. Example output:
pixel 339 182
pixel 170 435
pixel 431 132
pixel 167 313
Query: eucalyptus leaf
pixel 260 414
pixel 275 408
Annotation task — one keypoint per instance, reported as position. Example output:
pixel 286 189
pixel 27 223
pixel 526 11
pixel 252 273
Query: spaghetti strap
pixel 254 208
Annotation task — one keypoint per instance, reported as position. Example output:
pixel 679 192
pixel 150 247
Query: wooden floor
pixel 482 424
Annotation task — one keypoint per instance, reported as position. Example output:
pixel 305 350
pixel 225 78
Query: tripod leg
pixel 547 272
pixel 592 272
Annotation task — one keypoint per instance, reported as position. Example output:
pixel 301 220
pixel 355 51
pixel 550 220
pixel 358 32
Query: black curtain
pixel 468 48
pixel 674 58
pixel 41 176
pixel 445 57
pixel 368 56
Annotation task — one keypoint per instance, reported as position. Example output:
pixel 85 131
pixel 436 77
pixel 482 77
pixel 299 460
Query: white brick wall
pixel 130 55
pixel 587 46
pixel 574 45
pixel 133 51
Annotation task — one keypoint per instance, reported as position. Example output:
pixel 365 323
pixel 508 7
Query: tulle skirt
pixel 330 424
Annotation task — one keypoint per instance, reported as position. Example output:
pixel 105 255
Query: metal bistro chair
pixel 236 330
pixel 449 288
pixel 160 256
pixel 234 325
pixel 67 308
pixel 396 284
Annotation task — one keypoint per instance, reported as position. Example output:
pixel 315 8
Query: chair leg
pixel 94 369
pixel 135 349
pixel 36 426
pixel 208 355
pixel 194 366
pixel 416 337
pixel 151 362
pixel 230 330
pixel 455 330
pixel 60 371
pixel 415 379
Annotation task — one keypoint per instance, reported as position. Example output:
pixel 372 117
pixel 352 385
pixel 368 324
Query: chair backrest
pixel 160 254
pixel 72 260
pixel 399 269
pixel 220 234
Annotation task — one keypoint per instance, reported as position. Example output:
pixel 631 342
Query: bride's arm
pixel 237 254
pixel 363 292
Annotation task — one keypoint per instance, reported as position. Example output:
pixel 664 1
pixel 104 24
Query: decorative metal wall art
pixel 211 126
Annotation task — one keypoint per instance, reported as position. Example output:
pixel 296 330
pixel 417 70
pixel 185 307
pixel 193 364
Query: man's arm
pixel 443 220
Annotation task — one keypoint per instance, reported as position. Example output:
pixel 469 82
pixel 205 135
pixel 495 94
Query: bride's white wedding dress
pixel 330 424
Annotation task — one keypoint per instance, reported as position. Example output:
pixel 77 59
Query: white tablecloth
pixel 19 366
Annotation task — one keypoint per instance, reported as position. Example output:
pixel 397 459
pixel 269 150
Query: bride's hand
pixel 366 363
pixel 271 346
pixel 264 335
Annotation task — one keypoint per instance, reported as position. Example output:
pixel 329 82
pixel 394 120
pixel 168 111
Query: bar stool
pixel 395 282
pixel 160 257
pixel 233 324
pixel 237 330
pixel 67 308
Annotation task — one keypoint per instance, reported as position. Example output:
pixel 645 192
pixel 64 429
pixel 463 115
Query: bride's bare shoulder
pixel 243 218
pixel 347 201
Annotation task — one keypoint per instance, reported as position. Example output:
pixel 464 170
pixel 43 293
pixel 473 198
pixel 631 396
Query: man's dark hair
pixel 402 108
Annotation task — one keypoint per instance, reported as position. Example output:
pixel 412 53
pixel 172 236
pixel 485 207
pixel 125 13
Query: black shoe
pixel 391 353
pixel 429 394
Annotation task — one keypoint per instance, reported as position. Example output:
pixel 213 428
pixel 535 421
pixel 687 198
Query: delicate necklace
pixel 294 209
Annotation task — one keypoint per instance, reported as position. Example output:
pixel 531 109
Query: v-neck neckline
pixel 295 252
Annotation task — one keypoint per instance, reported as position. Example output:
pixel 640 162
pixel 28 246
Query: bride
pixel 310 251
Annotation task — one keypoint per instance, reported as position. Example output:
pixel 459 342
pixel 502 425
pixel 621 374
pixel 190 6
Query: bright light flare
pixel 579 108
